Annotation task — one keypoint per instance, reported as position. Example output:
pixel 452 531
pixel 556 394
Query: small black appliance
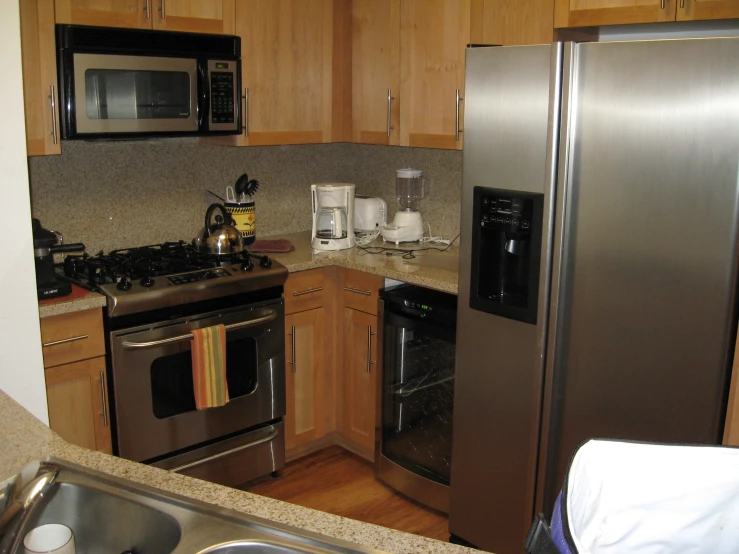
pixel 44 246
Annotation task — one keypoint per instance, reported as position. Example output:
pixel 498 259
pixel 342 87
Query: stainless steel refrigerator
pixel 598 264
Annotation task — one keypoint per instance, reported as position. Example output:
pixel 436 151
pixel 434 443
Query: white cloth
pixel 653 499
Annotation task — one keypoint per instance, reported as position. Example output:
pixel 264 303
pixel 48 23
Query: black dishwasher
pixel 418 336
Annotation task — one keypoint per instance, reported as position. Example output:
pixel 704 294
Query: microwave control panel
pixel 223 95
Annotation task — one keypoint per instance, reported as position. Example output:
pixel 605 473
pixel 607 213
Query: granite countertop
pixel 25 439
pixel 79 300
pixel 432 269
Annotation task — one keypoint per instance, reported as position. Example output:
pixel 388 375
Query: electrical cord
pixel 405 254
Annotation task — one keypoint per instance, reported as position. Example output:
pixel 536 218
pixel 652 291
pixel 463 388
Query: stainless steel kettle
pixel 221 238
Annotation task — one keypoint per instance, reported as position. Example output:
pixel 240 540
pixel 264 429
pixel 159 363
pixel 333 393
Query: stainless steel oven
pixel 156 419
pixel 156 295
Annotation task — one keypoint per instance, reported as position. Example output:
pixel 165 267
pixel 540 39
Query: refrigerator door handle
pixel 558 167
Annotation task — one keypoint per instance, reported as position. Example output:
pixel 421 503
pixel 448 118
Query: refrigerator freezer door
pixel 640 340
pixel 499 362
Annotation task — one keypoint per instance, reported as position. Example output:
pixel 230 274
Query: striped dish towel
pixel 209 367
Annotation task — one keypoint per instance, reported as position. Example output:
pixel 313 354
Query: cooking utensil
pixel 214 194
pixel 221 238
pixel 246 187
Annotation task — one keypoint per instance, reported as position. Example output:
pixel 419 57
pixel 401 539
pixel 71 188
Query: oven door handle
pixel 271 316
pixel 272 435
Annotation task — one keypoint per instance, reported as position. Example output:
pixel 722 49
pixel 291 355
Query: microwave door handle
pixel 204 100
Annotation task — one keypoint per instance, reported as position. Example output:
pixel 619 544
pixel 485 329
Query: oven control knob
pixel 147 281
pixel 265 261
pixel 124 284
pixel 247 265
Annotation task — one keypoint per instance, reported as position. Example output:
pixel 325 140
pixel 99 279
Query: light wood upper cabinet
pixel 135 14
pixel 512 22
pixel 376 71
pixel 286 56
pixel 433 38
pixel 585 13
pixel 196 16
pixel 360 378
pixel 39 77
pixel 304 371
pixel 692 10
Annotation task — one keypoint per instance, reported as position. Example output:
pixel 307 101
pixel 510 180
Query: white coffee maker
pixel 333 216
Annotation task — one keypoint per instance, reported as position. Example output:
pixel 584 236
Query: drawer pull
pixel 308 291
pixel 70 339
pixel 270 437
pixel 358 291
pixel 101 379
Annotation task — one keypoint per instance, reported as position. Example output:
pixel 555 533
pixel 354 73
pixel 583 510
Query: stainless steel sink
pixel 112 516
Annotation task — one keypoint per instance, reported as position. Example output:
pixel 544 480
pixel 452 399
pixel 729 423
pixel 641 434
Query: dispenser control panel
pixel 502 211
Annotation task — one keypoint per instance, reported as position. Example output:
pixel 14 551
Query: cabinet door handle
pixel 147 9
pixel 682 3
pixel 390 99
pixel 52 100
pixel 358 291
pixel 307 291
pixel 161 8
pixel 101 379
pixel 70 339
pixel 369 348
pixel 457 131
pixel 662 5
pixel 246 111
pixel 292 356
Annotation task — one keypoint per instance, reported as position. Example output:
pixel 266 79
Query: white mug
pixel 54 537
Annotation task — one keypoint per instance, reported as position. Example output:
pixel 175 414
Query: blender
pixel 407 226
pixel 333 216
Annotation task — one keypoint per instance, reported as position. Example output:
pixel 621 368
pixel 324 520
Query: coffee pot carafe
pixel 333 216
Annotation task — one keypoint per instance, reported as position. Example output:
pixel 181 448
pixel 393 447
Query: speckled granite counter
pixel 79 300
pixel 26 439
pixel 432 269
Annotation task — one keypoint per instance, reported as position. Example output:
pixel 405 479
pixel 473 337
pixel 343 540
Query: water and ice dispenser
pixel 506 251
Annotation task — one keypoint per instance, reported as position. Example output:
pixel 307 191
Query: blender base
pixel 407 227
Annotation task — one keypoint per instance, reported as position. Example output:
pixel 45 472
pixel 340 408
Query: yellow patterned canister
pixel 244 218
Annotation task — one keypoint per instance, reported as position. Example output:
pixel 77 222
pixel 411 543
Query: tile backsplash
pixel 119 194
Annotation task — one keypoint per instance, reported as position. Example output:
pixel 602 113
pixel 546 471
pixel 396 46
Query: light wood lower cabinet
pixel 360 379
pixel 74 362
pixel 78 403
pixel 304 367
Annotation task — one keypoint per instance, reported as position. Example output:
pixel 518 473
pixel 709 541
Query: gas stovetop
pixel 173 273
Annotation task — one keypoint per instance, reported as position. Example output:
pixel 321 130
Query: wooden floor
pixel 336 481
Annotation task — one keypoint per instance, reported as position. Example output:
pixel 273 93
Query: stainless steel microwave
pixel 121 83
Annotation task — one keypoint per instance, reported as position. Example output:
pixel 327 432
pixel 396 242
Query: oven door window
pixel 171 377
pixel 418 389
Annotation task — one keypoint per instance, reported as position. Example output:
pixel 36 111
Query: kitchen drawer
pixel 236 460
pixel 361 290
pixel 304 290
pixel 71 337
